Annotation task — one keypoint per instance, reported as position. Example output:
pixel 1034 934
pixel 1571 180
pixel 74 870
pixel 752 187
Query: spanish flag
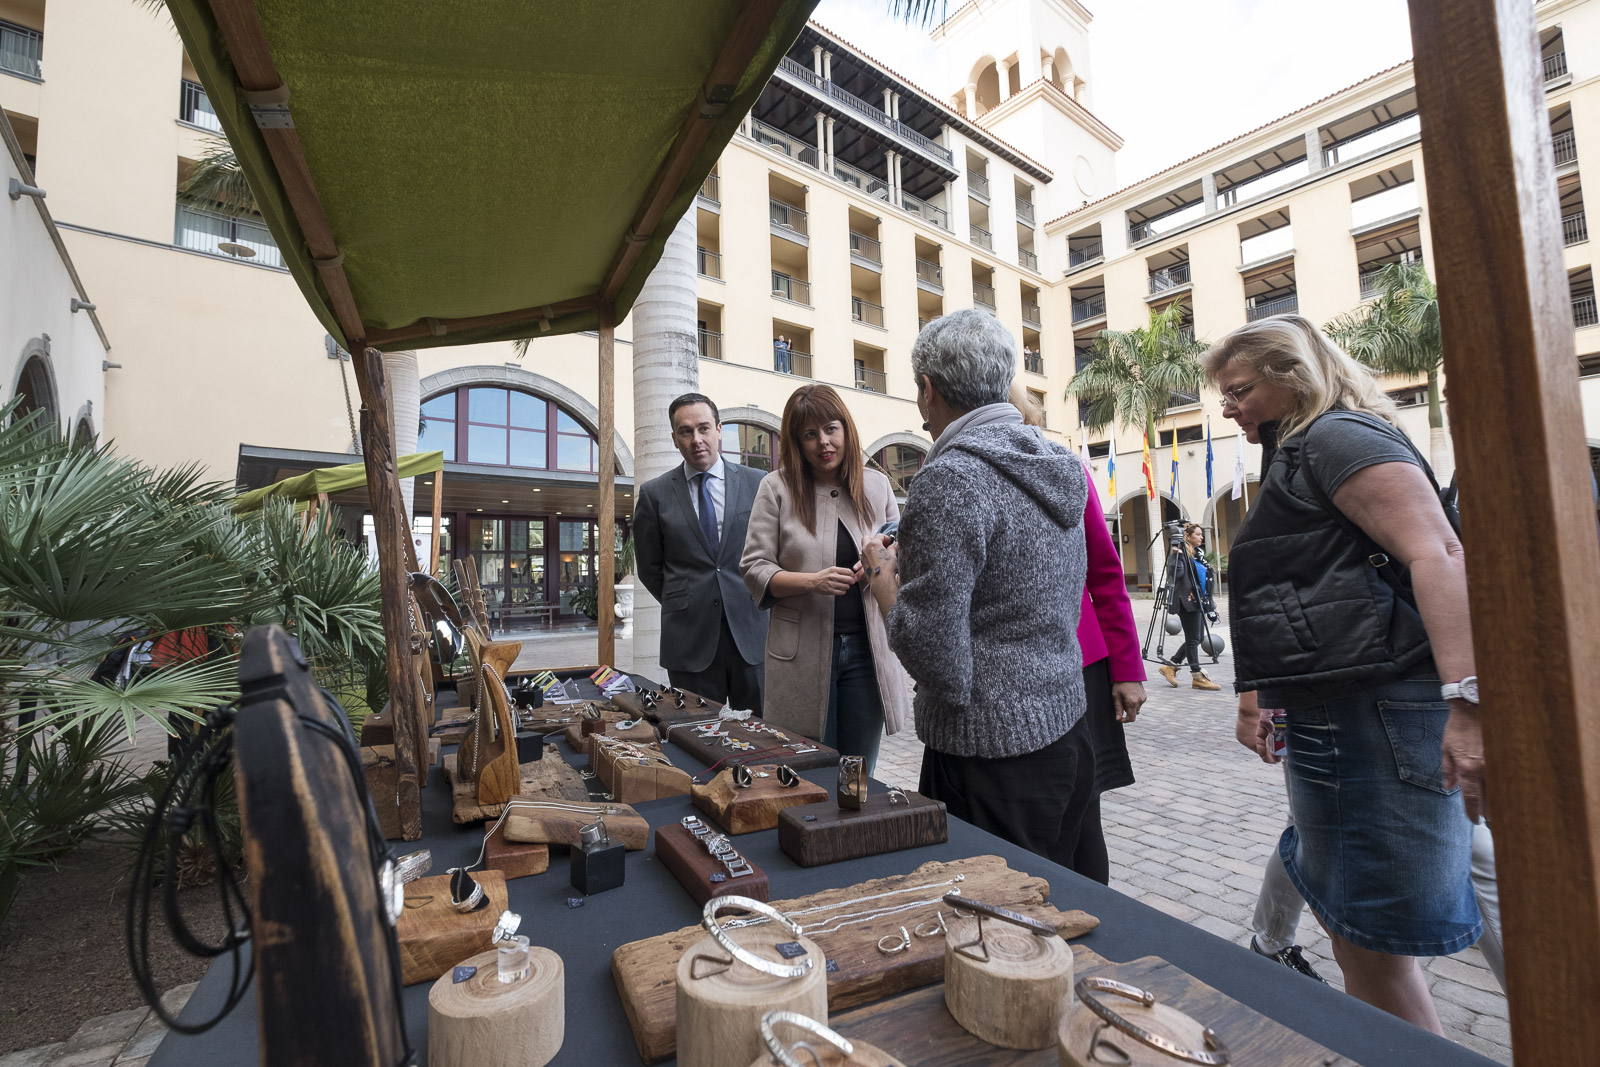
pixel 1149 469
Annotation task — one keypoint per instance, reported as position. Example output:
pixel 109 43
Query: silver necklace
pixel 758 920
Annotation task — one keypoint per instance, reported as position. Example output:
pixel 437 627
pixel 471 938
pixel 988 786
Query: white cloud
pixel 1175 77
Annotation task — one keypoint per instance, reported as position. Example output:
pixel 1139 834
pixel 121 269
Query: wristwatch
pixel 1466 689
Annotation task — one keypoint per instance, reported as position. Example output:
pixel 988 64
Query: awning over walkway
pixel 328 481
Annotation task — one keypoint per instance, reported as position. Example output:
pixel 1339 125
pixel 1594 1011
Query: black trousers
pixel 1112 770
pixel 1037 800
pixel 1193 630
pixel 729 679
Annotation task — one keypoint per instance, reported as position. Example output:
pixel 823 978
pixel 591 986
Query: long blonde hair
pixel 1289 351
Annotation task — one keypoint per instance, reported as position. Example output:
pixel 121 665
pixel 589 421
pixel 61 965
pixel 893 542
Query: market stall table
pixel 652 902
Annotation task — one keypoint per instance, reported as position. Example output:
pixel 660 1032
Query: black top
pixel 849 613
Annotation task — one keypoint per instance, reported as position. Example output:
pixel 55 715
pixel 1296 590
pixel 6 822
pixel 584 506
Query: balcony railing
pixel 194 106
pixel 1369 282
pixel 922 323
pixel 1575 228
pixel 800 72
pixel 866 311
pixel 710 265
pixel 1555 66
pixel 1169 277
pixel 866 248
pixel 982 237
pixel 931 273
pixel 787 216
pixel 792 289
pixel 1027 259
pixel 1090 308
pixel 711 189
pixel 1584 312
pixel 792 361
pixel 1033 362
pixel 1565 144
pixel 1030 313
pixel 1077 257
pixel 1025 210
pixel 937 216
pixel 983 295
pixel 1182 400
pixel 978 185
pixel 778 141
pixel 21 49
pixel 1282 305
pixel 224 235
pixel 710 344
pixel 870 184
pixel 873 381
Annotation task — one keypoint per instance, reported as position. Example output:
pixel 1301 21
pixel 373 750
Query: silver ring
pixel 899 942
pixel 708 918
pixel 897 795
pixel 742 778
pixel 473 898
pixel 506 927
pixel 788 777
pixel 781 1054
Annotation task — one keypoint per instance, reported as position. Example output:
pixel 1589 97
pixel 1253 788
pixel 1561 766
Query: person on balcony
pixel 780 354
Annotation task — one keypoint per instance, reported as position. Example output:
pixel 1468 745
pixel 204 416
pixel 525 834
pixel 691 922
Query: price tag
pixel 462 973
pixel 575 902
pixel 790 949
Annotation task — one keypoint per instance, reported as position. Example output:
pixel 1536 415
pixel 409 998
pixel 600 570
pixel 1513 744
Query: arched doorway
pixel 1132 532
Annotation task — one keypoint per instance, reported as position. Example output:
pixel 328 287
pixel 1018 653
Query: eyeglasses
pixel 1231 397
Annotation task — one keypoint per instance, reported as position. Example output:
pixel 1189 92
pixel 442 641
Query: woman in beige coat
pixel 830 673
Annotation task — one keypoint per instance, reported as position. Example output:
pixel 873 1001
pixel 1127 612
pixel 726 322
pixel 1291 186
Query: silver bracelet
pixel 781 1053
pixel 708 919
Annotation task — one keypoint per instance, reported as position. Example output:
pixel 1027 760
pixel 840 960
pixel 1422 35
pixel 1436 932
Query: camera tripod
pixel 1157 628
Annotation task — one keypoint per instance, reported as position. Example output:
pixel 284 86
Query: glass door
pixel 576 560
pixel 486 547
pixel 525 562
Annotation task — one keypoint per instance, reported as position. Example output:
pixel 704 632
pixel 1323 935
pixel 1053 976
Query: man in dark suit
pixel 688 535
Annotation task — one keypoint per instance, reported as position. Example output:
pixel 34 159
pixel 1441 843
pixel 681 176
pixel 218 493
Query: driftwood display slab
pixel 744 811
pixel 434 937
pixel 765 747
pixel 695 868
pixel 918 1029
pixel 666 712
pixel 556 826
pixel 644 970
pixel 548 777
pixel 821 833
pixel 514 859
pixel 630 781
pixel 579 732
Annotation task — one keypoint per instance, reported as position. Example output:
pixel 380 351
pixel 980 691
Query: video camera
pixel 1174 534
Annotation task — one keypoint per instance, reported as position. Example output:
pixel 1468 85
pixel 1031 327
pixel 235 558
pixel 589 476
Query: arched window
pixel 754 446
pixel 37 392
pixel 507 428
pixel 900 463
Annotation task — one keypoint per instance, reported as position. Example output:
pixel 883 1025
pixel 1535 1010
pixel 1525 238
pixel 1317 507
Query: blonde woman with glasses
pixel 1349 611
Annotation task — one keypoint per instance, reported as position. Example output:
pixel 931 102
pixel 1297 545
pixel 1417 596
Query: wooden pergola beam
pixel 1533 558
pixel 606 524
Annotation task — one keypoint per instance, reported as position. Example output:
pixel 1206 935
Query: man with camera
pixel 1189 585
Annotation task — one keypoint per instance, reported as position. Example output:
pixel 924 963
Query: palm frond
pixel 218 181
pixel 1397 332
pixel 919 12
pixel 183 690
pixel 1134 373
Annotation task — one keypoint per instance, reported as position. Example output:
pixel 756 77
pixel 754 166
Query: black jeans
pixel 729 679
pixel 1193 629
pixel 1037 800
pixel 855 706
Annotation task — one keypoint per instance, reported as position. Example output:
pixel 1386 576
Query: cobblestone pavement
pixel 1192 836
pixel 122 1039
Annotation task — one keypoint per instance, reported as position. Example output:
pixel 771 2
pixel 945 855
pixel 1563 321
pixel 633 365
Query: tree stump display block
pixel 719 1011
pixel 558 821
pixel 1014 997
pixel 483 1022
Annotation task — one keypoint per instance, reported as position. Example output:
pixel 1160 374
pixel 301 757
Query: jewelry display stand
pixel 754 807
pixel 729 980
pixel 814 1045
pixel 706 864
pixel 816 834
pixel 434 937
pixel 1005 983
pixel 722 743
pixel 633 773
pixel 488 754
pixel 514 859
pixel 557 822
pixel 550 777
pixel 484 1022
pixel 639 728
pixel 661 705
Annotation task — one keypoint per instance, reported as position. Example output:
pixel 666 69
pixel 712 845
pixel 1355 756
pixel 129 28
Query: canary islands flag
pixel 1111 471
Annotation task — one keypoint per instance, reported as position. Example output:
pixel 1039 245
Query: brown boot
pixel 1200 681
pixel 1169 674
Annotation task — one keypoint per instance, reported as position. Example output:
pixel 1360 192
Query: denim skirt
pixel 1380 850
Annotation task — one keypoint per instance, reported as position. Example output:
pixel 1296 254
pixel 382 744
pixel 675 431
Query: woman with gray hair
pixel 981 594
pixel 1349 608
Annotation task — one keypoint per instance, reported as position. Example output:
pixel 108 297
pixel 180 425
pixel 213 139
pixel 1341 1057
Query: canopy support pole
pixel 605 556
pixel 1533 559
pixel 438 515
pixel 393 534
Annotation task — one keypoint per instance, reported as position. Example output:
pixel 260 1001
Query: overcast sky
pixel 1175 77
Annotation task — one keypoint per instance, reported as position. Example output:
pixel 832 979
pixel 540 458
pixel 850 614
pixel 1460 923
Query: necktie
pixel 708 514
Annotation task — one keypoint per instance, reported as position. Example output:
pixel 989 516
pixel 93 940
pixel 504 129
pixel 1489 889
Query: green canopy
pixel 332 480
pixel 499 158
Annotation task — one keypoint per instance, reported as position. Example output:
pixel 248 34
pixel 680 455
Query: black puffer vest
pixel 1309 612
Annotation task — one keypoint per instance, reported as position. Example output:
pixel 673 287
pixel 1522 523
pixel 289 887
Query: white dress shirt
pixel 719 484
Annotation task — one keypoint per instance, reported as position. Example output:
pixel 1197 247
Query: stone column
pixel 1208 191
pixel 822 146
pixel 1048 71
pixel 888 176
pixel 1003 69
pixel 830 144
pixel 816 59
pixel 972 100
pixel 895 114
pixel 827 66
pixel 1314 150
pixel 888 106
pixel 899 180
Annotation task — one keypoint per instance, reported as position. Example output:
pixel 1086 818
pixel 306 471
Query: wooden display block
pixel 921 1031
pixel 579 732
pixel 767 745
pixel 377 766
pixel 744 811
pixel 548 777
pixel 644 970
pixel 453 725
pixel 695 707
pixel 694 868
pixel 818 834
pixel 559 825
pixel 434 937
pixel 634 773
pixel 514 859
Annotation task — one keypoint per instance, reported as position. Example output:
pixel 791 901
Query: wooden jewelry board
pixel 918 1029
pixel 666 710
pixel 767 744
pixel 558 824
pixel 550 777
pixel 618 766
pixel 434 937
pixel 823 833
pixel 744 811
pixel 860 974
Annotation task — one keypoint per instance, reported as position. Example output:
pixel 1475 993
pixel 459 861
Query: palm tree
pixel 1133 377
pixel 217 180
pixel 1398 333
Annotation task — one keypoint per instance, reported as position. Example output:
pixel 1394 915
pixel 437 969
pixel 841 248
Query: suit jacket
pixel 800 644
pixel 696 589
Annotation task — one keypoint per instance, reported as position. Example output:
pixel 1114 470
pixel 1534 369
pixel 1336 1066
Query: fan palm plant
pixel 1134 375
pixel 1398 333
pixel 217 180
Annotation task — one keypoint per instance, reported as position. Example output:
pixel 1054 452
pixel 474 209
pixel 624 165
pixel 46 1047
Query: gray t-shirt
pixel 1341 443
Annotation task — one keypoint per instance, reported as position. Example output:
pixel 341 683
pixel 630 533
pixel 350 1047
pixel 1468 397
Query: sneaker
pixel 1200 681
pixel 1169 674
pixel 1291 958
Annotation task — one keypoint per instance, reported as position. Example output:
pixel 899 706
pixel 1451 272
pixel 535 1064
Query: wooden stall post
pixel 606 550
pixel 1532 557
pixel 393 537
pixel 438 515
